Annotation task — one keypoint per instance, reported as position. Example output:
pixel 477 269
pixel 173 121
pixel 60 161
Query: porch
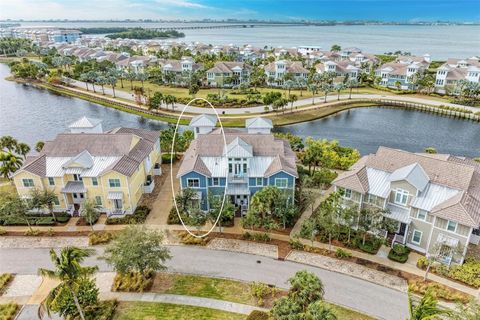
pixel 75 195
pixel 240 197
pixel 400 221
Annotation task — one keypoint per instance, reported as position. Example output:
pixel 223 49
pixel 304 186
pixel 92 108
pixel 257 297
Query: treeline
pixel 102 30
pixel 141 33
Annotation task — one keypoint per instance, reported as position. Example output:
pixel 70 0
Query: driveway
pixel 357 294
pixel 164 201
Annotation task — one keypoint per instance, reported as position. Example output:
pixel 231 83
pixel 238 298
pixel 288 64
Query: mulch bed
pixel 45 234
pixel 149 198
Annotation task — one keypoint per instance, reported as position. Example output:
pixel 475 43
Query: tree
pixel 467 311
pixel 293 98
pixel 102 81
pixel 92 78
pixel 22 149
pixel 305 289
pixel 427 308
pixel 84 78
pixel 155 102
pixel 136 249
pixel 89 212
pixel 335 48
pixel 320 311
pixel 313 88
pixel 8 143
pixel 309 230
pixel 69 272
pixel 371 219
pixel 339 87
pixel 437 253
pixel 142 77
pixel 398 84
pixel 226 214
pixel 10 163
pixel 328 216
pixel 131 76
pixel 39 146
pixel 286 309
pixel 351 83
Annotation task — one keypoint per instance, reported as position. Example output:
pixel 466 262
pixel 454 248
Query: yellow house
pixel 112 168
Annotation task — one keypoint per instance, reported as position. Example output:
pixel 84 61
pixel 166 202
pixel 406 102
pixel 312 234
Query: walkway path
pixel 182 300
pixel 299 103
pixel 320 196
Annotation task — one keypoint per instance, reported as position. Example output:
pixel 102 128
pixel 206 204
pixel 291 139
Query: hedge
pixel 468 273
pixel 399 253
pixel 139 216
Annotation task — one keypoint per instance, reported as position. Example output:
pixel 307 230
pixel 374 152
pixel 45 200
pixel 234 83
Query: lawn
pixel 165 311
pixel 224 289
pixel 8 311
pixel 214 288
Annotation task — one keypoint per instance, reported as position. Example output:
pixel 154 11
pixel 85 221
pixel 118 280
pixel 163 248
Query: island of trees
pixel 139 33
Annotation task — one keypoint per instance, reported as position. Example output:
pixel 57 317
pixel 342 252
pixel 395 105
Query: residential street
pixel 351 292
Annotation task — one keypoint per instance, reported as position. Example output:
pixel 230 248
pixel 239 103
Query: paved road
pixel 341 289
pixel 301 102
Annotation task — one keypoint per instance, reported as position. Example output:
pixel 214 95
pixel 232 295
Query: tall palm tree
pixel 9 164
pixel 69 272
pixel 8 142
pixel 22 149
pixel 426 309
pixel 39 146
pixel 84 78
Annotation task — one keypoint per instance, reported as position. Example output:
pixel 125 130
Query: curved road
pixel 357 294
pixel 299 103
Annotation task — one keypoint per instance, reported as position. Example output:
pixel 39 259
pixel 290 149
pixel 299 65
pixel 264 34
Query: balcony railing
pixel 238 178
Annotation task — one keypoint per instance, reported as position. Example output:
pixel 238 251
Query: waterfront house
pixel 401 73
pixel 228 74
pixel 251 159
pixel 342 69
pixel 112 168
pixel 174 71
pixel 433 199
pixel 277 71
pixel 451 72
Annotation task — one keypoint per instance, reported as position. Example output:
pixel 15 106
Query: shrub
pixel 295 244
pixel 173 216
pixel 137 217
pixel 5 279
pixel 3 231
pixel 105 310
pixel 258 315
pixel 422 262
pixel 102 237
pixel 399 253
pixel 440 291
pixel 370 246
pixel 33 232
pixel 188 239
pixel 342 254
pixel 133 282
pixel 168 158
pixel 8 311
pixel 63 219
pixel 50 232
pixel 468 273
pixel 45 221
pixel 260 291
pixel 264 237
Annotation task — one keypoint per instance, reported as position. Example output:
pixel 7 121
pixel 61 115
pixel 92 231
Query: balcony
pixel 238 178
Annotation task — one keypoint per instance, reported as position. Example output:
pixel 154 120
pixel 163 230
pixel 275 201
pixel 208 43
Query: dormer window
pixel 401 197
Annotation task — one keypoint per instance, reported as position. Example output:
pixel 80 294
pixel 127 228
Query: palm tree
pixel 102 81
pixel 351 83
pixel 142 77
pixel 39 146
pixel 292 100
pixel 301 83
pixel 92 78
pixel 339 87
pixel 8 142
pixel 426 309
pixel 69 272
pixel 131 76
pixel 84 78
pixel 112 80
pixel 289 85
pixel 9 164
pixel 22 149
pixel 314 89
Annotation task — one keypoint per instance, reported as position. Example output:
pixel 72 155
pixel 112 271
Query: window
pixel 452 226
pixel 28 183
pixel 348 193
pixel 281 182
pixel 244 168
pixel 193 183
pixel 417 237
pixel 77 177
pixel 114 183
pixel 94 181
pixel 98 200
pixel 215 181
pixel 51 181
pixel 259 182
pixel 401 197
pixel 422 215
pixel 56 201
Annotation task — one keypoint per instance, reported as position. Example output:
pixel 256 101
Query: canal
pixel 30 114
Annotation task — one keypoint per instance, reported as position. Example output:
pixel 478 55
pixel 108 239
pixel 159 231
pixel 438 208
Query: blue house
pixel 245 162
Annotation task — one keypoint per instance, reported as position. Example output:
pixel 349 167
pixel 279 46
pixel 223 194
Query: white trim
pixel 414 247
pixel 456 226
pixel 453 233
pixel 286 185
pixel 192 179
pixel 413 237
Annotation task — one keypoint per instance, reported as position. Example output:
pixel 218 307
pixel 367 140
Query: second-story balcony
pixel 238 177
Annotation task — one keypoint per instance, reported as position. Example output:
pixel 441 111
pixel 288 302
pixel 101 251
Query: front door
pixel 402 229
pixel 117 204
pixel 237 168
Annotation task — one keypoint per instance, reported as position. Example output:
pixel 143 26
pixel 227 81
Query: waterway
pixel 30 114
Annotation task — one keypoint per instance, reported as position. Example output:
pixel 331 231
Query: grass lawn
pixel 164 311
pixel 228 290
pixel 214 288
pixel 8 311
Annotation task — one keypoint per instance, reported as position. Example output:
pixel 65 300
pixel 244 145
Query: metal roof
pixel 432 196
pixel 204 120
pixel 54 166
pixel 85 122
pixel 74 187
pixel 398 213
pixel 234 189
pixel 258 123
pixel 238 148
pixel 115 195
pixel 413 174
pixel 378 182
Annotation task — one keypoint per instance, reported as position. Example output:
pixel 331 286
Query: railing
pixel 398 239
pixel 238 178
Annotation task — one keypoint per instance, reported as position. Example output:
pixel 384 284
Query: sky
pixel 385 10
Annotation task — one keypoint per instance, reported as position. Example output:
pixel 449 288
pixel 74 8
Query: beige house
pixel 435 199
pixel 112 168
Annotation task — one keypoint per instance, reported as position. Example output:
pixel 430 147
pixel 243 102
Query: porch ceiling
pixel 74 187
pixel 398 214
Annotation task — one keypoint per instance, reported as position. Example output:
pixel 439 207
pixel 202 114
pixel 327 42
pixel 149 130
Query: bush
pixel 370 246
pixel 422 262
pixel 264 237
pixel 138 217
pixel 3 231
pixel 133 282
pixel 342 254
pixel 63 219
pixel 399 253
pixel 8 311
pixel 440 291
pixel 468 273
pixel 105 310
pixel 33 232
pixel 295 244
pixel 168 158
pixel 45 221
pixel 101 237
pixel 258 315
pixel 173 216
pixel 260 291
pixel 188 239
pixel 5 279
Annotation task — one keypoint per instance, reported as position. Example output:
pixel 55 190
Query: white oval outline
pixel 171 169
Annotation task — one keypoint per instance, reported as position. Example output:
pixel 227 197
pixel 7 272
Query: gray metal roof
pixel 74 187
pixel 85 122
